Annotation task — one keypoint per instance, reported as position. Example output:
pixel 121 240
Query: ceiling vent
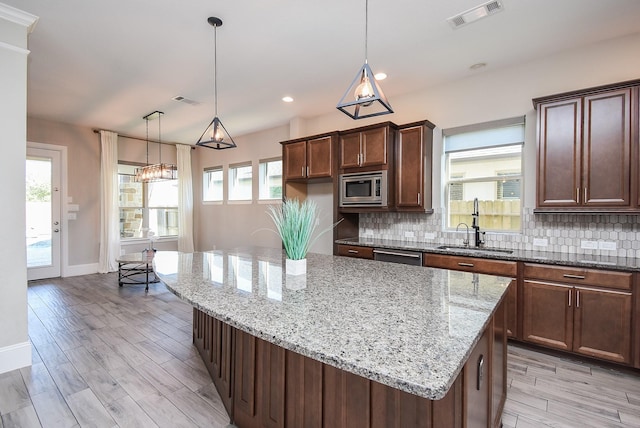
pixel 475 13
pixel 182 99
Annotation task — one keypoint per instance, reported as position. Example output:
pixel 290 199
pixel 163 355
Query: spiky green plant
pixel 296 223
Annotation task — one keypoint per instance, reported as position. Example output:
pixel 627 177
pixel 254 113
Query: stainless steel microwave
pixel 367 189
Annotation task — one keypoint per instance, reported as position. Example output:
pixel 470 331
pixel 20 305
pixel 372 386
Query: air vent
pixel 182 99
pixel 475 13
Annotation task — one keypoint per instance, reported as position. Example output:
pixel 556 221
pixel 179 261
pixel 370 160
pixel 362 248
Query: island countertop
pixel 408 327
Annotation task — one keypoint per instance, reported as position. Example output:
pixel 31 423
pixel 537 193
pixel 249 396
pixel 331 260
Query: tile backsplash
pixel 563 233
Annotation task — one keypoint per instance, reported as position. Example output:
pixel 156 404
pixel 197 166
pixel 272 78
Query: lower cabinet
pixel 355 251
pixel 588 312
pixel 486 266
pixel 276 388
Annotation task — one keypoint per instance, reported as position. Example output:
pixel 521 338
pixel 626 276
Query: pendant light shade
pixel 364 97
pixel 215 136
pixel 160 171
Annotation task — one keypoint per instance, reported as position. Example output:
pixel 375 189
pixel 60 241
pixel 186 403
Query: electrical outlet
pixel 429 235
pixel 607 245
pixel 589 245
pixel 409 234
pixel 540 242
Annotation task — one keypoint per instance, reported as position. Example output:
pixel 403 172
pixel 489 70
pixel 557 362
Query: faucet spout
pixel 465 241
pixel 476 223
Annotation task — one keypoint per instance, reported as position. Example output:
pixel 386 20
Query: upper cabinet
pixel 588 150
pixel 308 158
pixel 413 167
pixel 367 147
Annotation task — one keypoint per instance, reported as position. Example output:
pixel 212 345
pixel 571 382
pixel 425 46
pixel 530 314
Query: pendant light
pixel 364 97
pixel 216 135
pixel 159 171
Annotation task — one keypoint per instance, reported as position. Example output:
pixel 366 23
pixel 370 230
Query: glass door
pixel 43 213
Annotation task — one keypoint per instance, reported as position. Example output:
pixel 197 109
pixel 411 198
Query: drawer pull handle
pixel 465 264
pixel 569 297
pixel 353 251
pixel 566 275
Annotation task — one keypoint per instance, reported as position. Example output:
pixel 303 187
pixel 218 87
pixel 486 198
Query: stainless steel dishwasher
pixel 398 256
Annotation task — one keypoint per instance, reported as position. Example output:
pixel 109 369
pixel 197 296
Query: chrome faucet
pixel 465 241
pixel 476 223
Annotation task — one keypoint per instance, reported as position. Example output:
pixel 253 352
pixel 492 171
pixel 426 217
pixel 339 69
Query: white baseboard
pixel 15 357
pixel 77 270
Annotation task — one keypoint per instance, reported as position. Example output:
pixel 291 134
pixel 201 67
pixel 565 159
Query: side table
pixel 136 268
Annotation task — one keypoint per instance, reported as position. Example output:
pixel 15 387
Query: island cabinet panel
pixel 303 391
pixel 213 340
pixel 593 318
pixel 277 388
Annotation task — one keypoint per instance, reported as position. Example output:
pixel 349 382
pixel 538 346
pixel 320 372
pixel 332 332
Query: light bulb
pixel 364 90
pixel 216 134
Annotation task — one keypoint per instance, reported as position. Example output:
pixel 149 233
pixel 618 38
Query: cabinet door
pixel 603 324
pixel 477 378
pixel 319 155
pixel 374 147
pixel 511 300
pixel 410 168
pixel 350 150
pixel 295 160
pixel 559 153
pixel 606 174
pixel 548 314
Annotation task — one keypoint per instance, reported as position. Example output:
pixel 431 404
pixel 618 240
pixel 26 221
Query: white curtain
pixel 185 199
pixel 109 212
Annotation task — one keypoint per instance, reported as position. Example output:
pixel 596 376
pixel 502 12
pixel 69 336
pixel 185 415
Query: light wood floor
pixel 110 356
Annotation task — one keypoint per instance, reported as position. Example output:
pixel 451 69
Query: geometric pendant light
pixel 160 171
pixel 364 97
pixel 215 136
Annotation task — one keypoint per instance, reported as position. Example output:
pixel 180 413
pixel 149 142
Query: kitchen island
pixel 350 343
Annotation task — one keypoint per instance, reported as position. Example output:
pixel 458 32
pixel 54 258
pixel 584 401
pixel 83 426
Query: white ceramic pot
pixel 296 267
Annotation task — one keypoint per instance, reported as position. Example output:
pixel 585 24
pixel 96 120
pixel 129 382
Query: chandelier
pixel 159 171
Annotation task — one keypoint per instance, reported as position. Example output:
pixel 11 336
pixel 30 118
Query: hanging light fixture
pixel 216 135
pixel 159 171
pixel 364 97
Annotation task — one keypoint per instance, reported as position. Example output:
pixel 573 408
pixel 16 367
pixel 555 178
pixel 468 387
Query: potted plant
pixel 296 223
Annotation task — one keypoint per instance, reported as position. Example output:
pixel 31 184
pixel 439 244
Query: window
pixel 270 179
pixel 485 162
pixel 146 206
pixel 212 181
pixel 240 182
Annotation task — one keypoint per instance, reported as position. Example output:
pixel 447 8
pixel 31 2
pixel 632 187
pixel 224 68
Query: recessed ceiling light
pixel 380 76
pixel 287 99
pixel 478 66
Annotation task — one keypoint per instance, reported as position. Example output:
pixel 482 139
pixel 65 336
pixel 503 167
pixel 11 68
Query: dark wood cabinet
pixel 214 341
pixel 413 167
pixel 486 266
pixel 355 251
pixel 586 156
pixel 477 384
pixel 367 147
pixel 309 158
pixel 587 319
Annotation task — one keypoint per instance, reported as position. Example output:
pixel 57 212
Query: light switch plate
pixel 429 235
pixel 589 245
pixel 607 245
pixel 540 242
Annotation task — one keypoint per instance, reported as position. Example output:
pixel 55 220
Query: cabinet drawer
pixel 471 264
pixel 355 251
pixel 579 276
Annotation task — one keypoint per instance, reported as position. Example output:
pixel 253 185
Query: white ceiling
pixel 106 64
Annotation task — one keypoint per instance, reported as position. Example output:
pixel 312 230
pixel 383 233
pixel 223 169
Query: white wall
pixel 15 349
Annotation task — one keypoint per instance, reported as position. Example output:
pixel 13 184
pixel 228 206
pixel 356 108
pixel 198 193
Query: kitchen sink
pixel 474 249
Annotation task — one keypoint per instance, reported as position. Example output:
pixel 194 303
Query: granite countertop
pixel 564 259
pixel 408 327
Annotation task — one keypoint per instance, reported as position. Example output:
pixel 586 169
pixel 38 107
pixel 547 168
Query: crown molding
pixel 18 16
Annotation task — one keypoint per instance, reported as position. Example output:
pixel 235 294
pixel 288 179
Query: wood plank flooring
pixel 105 356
